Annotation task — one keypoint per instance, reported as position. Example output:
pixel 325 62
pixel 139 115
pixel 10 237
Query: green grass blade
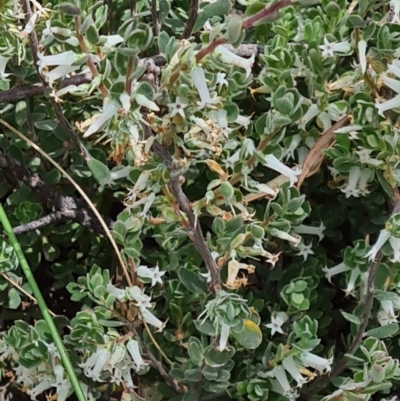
pixel 42 305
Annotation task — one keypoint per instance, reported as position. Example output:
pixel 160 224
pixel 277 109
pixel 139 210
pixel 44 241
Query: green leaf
pixel 21 113
pixel 14 299
pixel 190 396
pixel 206 327
pixel 163 39
pixel 146 90
pixel 210 373
pixel 216 358
pixel 351 318
pixel 100 172
pixel 92 35
pixel 68 9
pixel 192 281
pixel 250 337
pixel 46 125
pixel 383 332
pixel 195 350
pixel 214 9
pixel 234 28
pixel 164 9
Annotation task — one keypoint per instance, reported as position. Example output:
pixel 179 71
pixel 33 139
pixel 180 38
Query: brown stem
pixel 128 81
pixel 266 12
pixel 154 17
pixel 320 383
pixel 174 186
pixel 65 207
pixel 193 12
pixel 65 125
pixel 86 50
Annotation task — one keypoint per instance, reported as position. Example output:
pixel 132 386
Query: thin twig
pixel 57 108
pixel 154 17
pixel 86 50
pixel 39 223
pixel 266 12
pixel 66 207
pixel 153 340
pixel 32 298
pixel 81 192
pixel 174 186
pixel 38 89
pixel 193 12
pixel 320 383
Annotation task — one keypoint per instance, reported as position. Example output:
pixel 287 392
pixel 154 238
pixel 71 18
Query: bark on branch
pixel 65 207
pixel 175 188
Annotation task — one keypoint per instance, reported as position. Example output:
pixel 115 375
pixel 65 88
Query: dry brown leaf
pixel 315 156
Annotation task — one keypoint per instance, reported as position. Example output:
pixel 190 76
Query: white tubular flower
pixel 117 356
pixel 59 72
pixel 68 89
pixel 395 244
pixel 394 68
pixel 207 276
pixel 144 102
pixel 199 79
pixel 294 144
pixel 277 321
pixel 283 235
pixel 395 9
pixel 125 100
pixel 116 292
pixel 389 105
pixel 220 119
pixel 275 164
pixel 44 384
pixel 351 188
pixel 387 315
pixel 365 158
pixel 292 368
pixel 316 362
pixel 221 81
pixel 384 235
pixel 3 65
pixel 311 113
pixel 333 271
pixel 152 273
pixel 280 375
pixel 366 175
pixel 244 121
pixel 351 285
pixel 62 385
pixel 133 348
pixel 391 83
pixel 152 320
pixel 310 230
pixel 51 31
pixel 328 49
pixel 305 250
pixel 137 294
pixel 64 58
pixel 109 111
pixel 268 191
pixel 362 50
pixel 223 338
pixel 177 107
pixel 232 59
pixel 95 364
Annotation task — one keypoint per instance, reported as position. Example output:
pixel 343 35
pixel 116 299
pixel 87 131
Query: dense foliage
pixel 206 194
